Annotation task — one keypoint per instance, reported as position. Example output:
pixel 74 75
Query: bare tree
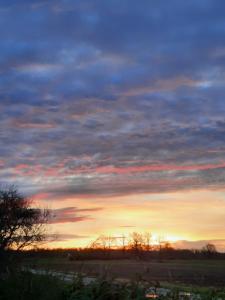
pixel 104 242
pixel 147 241
pixel 136 243
pixel 123 239
pixel 209 250
pixel 20 224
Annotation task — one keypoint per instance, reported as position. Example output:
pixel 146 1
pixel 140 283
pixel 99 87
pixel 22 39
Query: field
pixel 189 272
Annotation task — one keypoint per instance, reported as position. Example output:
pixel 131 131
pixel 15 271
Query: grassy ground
pixel 194 272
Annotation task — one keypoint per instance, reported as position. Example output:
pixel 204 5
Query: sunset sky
pixel 113 116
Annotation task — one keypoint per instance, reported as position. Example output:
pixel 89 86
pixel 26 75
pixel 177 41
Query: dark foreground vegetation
pixel 27 286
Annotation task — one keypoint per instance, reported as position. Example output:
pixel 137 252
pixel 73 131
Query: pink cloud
pixel 32 125
pixel 154 168
pixel 61 169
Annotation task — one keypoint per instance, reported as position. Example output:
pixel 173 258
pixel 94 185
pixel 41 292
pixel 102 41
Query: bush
pixel 27 286
pixel 103 290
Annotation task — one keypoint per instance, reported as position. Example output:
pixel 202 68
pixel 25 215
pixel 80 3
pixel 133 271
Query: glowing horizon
pixel 162 215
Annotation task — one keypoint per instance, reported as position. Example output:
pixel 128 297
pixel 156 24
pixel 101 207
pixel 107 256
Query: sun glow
pixel 156 239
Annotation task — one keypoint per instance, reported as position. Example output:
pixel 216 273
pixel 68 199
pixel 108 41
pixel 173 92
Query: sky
pixel 113 116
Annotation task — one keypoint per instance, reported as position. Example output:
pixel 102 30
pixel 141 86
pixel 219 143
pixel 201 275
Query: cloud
pixel 98 102
pixel 60 237
pixel 219 243
pixel 70 215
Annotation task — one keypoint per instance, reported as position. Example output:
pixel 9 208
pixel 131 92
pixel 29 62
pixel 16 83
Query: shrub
pixel 26 286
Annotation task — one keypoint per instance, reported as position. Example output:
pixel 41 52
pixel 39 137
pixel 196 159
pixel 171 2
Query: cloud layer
pixel 109 98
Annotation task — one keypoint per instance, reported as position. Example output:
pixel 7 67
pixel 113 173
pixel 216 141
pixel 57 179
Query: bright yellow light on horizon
pixel 157 238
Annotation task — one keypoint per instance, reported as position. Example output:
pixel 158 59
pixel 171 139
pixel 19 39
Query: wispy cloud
pixel 71 215
pixel 59 237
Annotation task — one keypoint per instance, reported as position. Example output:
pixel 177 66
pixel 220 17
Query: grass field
pixel 190 272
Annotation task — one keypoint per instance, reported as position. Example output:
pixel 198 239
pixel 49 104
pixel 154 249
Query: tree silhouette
pixel 136 243
pixel 20 224
pixel 209 250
